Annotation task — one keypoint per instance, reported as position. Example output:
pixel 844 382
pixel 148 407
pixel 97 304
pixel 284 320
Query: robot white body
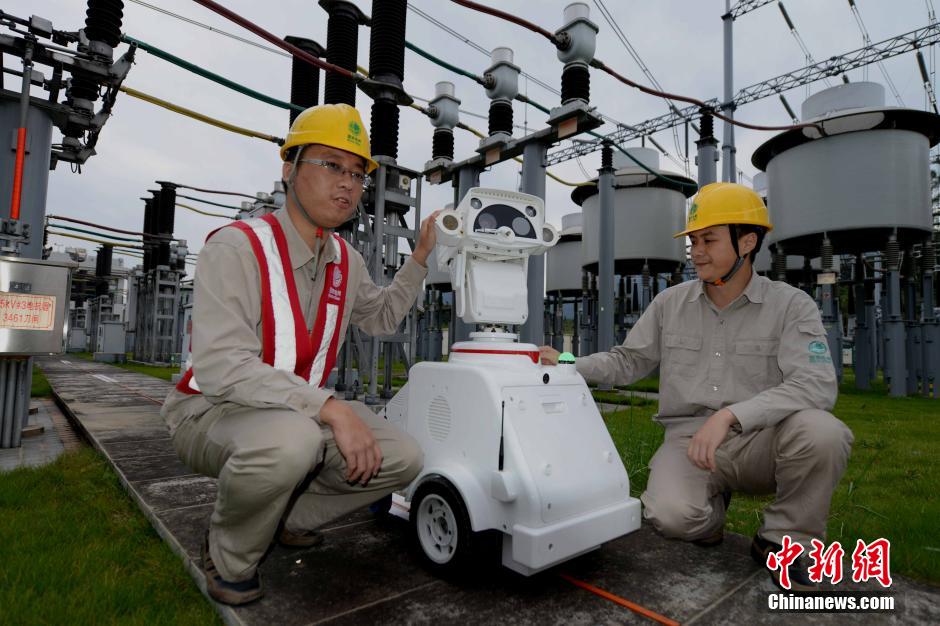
pixel 509 445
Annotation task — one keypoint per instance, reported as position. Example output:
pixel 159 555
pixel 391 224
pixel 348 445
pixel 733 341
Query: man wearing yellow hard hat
pixel 273 298
pixel 745 389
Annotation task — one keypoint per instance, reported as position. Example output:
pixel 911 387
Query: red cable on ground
pixel 277 41
pixel 636 608
pixel 506 16
pixel 18 174
pixel 221 193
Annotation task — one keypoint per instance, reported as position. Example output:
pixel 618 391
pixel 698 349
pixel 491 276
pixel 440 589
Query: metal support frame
pixel 392 198
pixel 729 170
pixel 895 361
pixel 467 178
pixel 931 338
pixel 605 271
pixel 158 301
pixel 533 182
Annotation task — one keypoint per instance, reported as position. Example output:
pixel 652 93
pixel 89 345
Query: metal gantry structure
pixel 833 66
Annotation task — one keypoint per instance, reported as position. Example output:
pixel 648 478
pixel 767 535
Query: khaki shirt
pixel 226 336
pixel 764 356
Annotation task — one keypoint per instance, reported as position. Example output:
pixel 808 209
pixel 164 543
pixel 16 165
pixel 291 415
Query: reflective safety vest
pixel 287 344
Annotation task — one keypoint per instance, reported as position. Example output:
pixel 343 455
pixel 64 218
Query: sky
pixel 680 41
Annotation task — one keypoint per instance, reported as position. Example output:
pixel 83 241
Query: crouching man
pixel 273 298
pixel 746 385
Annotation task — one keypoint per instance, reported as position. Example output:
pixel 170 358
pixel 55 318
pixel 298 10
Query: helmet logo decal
pixel 354 131
pixel 693 212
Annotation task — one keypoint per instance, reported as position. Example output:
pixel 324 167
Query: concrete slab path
pixel 366 571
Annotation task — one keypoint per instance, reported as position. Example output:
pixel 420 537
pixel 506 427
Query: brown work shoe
pixel 304 539
pixel 221 590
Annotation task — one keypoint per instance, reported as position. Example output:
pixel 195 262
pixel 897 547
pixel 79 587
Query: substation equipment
pixel 861 191
pixel 639 217
pixel 74 69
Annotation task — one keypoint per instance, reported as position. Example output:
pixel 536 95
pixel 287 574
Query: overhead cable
pixel 195 69
pixel 277 41
pixel 218 204
pixel 215 191
pixel 867 40
pixel 597 63
pixel 210 28
pixel 103 227
pixel 101 241
pixel 91 232
pixel 201 212
pixel 199 116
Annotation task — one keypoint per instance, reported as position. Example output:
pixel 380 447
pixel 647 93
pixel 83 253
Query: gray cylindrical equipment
pixel 35 171
pixel 845 183
pixel 649 211
pixel 563 260
pixel 533 182
pixel 605 236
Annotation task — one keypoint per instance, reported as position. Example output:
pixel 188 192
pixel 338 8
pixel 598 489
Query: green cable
pixel 166 56
pixel 91 232
pixel 453 68
pixel 674 181
pixel 224 206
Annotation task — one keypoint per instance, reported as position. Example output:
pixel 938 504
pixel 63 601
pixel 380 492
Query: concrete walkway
pixel 366 572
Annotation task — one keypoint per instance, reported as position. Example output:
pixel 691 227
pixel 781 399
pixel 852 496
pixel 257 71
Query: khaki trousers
pixel 800 460
pixel 261 457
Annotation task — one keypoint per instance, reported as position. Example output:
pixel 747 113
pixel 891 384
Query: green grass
pixel 646 384
pixel 164 372
pixel 888 490
pixel 41 387
pixel 75 549
pixel 613 397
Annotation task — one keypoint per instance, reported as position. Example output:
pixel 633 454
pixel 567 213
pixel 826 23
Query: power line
pixel 799 40
pixel 867 40
pixel 212 28
pixel 612 22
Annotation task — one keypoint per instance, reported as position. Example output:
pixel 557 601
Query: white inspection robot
pixel 509 445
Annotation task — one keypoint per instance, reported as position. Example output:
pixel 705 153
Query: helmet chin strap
pixel 737 264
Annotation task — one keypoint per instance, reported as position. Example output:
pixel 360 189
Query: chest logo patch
pixel 817 347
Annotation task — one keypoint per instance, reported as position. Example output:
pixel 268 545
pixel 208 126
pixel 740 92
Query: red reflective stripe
pixel 267 309
pixel 304 353
pixel 532 354
pixel 183 384
pixel 334 343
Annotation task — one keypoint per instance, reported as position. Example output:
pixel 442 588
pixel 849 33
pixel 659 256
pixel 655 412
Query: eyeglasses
pixel 339 171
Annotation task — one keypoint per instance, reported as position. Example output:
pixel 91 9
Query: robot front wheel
pixel 441 528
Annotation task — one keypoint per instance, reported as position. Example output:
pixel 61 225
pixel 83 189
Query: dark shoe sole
pixel 220 590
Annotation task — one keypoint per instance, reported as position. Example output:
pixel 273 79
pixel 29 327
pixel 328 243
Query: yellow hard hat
pixel 335 125
pixel 726 203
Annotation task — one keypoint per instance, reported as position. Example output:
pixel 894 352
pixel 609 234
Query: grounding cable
pixel 633 606
pixel 215 191
pixel 111 228
pixel 199 116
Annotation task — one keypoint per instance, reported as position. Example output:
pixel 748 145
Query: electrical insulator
pixel 576 42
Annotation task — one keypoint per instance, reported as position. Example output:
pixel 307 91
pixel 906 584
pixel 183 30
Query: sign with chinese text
pixel 23 311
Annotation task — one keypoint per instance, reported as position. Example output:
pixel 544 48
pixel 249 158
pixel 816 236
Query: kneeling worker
pixel 746 385
pixel 273 298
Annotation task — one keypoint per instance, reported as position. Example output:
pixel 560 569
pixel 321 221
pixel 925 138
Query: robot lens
pixel 476 203
pixel 521 226
pixel 530 211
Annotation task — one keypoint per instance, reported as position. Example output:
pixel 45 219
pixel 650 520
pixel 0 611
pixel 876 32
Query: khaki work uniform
pixel 765 358
pixel 256 428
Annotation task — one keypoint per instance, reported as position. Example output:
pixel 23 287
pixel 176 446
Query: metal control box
pixel 34 305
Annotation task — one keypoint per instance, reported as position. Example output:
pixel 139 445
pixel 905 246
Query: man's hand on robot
pixel 549 355
pixel 426 239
